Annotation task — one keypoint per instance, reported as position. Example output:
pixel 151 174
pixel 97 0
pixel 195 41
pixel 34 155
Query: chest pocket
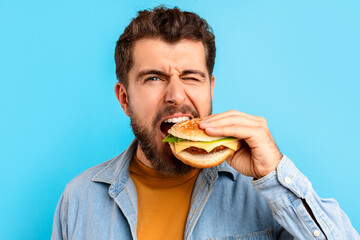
pixel 262 235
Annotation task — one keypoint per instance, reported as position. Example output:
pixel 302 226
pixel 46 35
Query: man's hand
pixel 258 154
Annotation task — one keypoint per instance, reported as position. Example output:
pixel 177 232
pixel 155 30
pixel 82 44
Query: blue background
pixel 296 63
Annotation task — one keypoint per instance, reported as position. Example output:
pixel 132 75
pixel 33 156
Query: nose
pixel 175 92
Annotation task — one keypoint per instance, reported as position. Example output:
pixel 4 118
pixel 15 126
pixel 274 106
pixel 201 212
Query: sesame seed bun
pixel 190 130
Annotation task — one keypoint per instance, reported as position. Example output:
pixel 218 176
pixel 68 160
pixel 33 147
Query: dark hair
pixel 170 25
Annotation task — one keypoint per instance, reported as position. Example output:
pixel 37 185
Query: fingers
pixel 251 135
pixel 237 124
pixel 226 120
pixel 231 122
pixel 258 154
pixel 217 116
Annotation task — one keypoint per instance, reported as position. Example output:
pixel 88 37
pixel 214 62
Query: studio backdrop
pixel 296 63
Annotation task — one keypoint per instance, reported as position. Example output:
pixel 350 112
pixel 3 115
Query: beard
pixel 165 163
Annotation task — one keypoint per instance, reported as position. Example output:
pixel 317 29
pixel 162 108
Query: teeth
pixel 177 120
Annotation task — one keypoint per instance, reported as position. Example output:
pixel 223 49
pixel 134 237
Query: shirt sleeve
pixel 59 231
pixel 286 189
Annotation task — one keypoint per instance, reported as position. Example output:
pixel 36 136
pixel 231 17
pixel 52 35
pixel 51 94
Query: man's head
pixel 169 25
pixel 168 76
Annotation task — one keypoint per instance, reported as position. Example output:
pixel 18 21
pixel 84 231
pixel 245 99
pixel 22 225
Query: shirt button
pixel 288 180
pixel 316 233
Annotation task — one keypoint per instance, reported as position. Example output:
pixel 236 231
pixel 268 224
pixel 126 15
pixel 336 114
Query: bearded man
pixel 164 63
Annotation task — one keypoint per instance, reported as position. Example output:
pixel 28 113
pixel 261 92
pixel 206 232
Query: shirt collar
pixel 211 174
pixel 118 167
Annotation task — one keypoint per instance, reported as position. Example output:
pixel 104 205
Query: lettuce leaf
pixel 172 139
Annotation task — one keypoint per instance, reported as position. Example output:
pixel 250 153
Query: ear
pixel 212 85
pixel 122 96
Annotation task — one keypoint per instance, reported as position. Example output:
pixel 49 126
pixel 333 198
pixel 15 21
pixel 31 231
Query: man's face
pixel 166 81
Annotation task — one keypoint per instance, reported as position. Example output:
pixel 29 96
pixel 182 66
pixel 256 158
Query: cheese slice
pixel 207 146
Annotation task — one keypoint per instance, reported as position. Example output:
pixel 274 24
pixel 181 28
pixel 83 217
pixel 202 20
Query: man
pixel 164 62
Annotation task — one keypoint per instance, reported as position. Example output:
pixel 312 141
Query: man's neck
pixel 142 158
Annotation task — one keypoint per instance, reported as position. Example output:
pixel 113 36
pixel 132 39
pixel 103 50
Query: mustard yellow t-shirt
pixel 163 201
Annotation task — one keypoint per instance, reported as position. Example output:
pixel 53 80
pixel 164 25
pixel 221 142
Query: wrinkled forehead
pixel 156 53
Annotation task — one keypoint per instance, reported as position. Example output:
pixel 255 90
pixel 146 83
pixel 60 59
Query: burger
pixel 194 147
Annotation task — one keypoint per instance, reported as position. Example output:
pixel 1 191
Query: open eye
pixel 152 78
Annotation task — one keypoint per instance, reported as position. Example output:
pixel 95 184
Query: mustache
pixel 169 110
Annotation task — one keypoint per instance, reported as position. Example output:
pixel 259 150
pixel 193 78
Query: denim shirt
pixel 101 203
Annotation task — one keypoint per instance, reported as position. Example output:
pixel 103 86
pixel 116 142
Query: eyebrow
pixel 150 71
pixel 157 72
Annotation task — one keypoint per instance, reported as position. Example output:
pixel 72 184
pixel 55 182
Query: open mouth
pixel 168 123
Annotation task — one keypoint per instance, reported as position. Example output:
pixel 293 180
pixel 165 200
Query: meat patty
pixel 196 150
